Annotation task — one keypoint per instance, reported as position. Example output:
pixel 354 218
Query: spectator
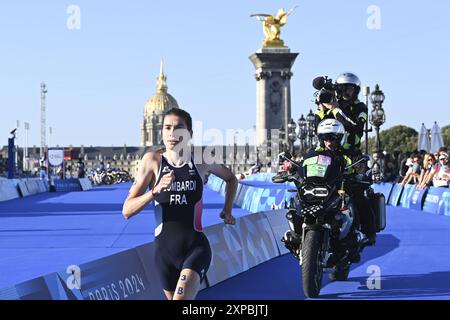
pixel 414 172
pixel 389 168
pixel 428 166
pixel 405 165
pixel 43 168
pixel 442 176
pixel 376 167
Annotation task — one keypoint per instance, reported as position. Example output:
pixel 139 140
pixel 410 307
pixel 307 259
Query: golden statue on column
pixel 272 27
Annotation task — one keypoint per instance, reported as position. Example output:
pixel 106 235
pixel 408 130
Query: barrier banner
pixel 238 191
pixel 279 225
pixel 23 189
pixel 405 199
pixel 49 287
pixel 32 187
pixel 395 195
pixel 217 183
pixel 117 277
pixel 41 186
pixel 47 187
pixel 227 252
pixel 67 185
pixel 239 200
pixel 255 200
pixel 222 188
pixel 417 199
pixel 146 253
pixel 258 241
pixel 384 188
pixel 237 248
pixel 8 190
pixel 248 198
pixel 267 199
pixel 444 204
pixel 85 184
pixel 432 200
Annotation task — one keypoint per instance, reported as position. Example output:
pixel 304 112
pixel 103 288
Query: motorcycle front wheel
pixel 312 271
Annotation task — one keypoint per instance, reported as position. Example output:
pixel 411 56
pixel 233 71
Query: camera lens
pixel 325 96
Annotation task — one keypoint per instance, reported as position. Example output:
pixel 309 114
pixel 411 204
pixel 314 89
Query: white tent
pixel 436 138
pixel 424 139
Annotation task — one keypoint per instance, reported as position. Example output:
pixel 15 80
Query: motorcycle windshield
pixel 319 169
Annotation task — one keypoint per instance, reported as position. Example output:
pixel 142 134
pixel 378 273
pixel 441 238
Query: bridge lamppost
pixel 291 134
pixel 366 93
pixel 377 116
pixel 302 133
pixel 310 119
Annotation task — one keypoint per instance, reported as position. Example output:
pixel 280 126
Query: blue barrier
pixel 384 188
pixel 444 204
pixel 49 287
pixel 85 184
pixel 23 189
pixel 32 186
pixel 254 202
pixel 417 199
pixel 8 190
pixel 67 185
pixel 117 277
pixel 396 193
pixel 236 249
pixel 239 199
pixel 405 199
pixel 248 198
pixel 433 199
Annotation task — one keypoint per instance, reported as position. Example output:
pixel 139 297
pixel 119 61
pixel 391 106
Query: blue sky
pixel 99 77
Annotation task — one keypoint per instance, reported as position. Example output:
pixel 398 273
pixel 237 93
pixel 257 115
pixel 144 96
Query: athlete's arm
pixel 230 191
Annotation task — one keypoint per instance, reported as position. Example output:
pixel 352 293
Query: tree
pixel 446 135
pixel 397 138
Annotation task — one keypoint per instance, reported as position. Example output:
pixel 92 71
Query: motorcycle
pixel 324 230
pixel 120 176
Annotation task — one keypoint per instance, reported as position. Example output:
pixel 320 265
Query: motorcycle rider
pixel 332 136
pixel 352 113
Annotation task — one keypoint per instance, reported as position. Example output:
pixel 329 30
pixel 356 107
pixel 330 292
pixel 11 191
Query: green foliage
pixel 446 135
pixel 397 138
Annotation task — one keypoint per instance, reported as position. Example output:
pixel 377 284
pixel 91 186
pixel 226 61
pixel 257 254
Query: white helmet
pixel 348 78
pixel 332 127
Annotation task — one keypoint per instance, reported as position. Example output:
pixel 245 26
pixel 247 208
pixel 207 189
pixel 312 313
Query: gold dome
pixel 162 100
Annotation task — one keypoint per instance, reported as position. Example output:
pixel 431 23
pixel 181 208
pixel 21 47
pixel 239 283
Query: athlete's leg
pixel 169 294
pixel 167 273
pixel 188 285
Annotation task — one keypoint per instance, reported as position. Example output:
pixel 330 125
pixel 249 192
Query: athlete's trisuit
pixel 179 240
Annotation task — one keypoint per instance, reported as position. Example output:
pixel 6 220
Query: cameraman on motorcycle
pixel 343 105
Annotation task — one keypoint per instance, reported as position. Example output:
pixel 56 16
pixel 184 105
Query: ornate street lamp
pixel 377 116
pixel 302 133
pixel 292 136
pixel 311 119
pixel 366 93
pixel 282 140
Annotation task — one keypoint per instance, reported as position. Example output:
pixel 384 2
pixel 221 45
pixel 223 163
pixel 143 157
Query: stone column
pixel 273 90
